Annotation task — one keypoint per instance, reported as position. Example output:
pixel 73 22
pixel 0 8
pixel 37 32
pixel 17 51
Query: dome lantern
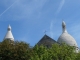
pixel 64 27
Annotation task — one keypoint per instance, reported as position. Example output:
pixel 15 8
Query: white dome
pixel 66 38
pixel 9 34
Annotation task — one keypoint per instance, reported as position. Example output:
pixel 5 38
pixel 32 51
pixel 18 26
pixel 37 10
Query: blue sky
pixel 30 18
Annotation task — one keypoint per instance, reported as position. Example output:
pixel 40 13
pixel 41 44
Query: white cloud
pixel 51 29
pixel 7 8
pixel 60 6
pixel 52 26
pixel 23 9
pixel 27 9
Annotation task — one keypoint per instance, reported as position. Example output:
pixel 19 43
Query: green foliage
pixel 56 52
pixel 22 51
pixel 78 56
pixel 13 50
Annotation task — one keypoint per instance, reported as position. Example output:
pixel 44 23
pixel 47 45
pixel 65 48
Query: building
pixel 65 37
pixel 46 41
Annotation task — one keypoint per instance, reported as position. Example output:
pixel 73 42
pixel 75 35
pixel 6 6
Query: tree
pixel 16 50
pixel 62 52
pixel 13 50
pixel 78 56
pixel 56 52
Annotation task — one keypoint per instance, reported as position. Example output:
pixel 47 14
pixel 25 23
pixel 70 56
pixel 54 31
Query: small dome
pixel 65 37
pixel 9 34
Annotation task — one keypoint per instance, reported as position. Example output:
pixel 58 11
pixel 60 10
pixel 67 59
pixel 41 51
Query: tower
pixel 65 37
pixel 9 34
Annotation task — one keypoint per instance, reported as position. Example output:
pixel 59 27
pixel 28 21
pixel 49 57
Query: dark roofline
pixel 47 37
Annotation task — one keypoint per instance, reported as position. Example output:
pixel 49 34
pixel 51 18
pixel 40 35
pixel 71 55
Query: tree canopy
pixel 22 51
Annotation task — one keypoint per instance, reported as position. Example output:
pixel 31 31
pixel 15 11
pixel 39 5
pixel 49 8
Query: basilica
pixel 65 37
